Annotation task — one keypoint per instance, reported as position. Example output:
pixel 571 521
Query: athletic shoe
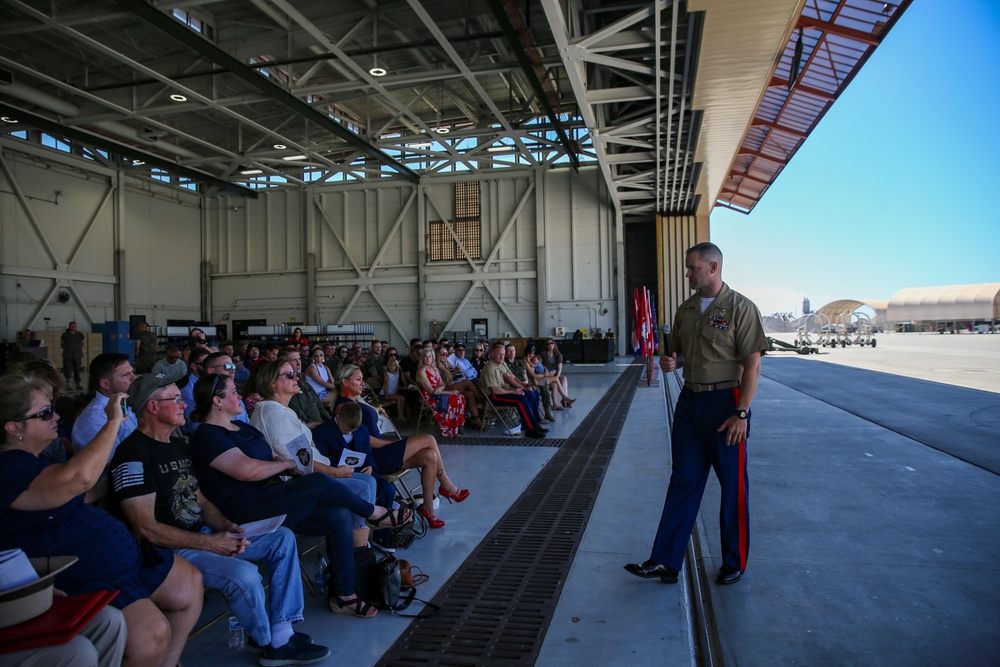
pixel 295 652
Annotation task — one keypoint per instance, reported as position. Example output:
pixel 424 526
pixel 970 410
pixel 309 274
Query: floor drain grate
pixel 504 441
pixel 498 605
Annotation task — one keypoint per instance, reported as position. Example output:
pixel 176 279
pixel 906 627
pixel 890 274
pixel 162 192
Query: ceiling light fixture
pixel 177 97
pixel 500 149
pixel 294 157
pixel 248 170
pixel 421 144
pixel 280 147
pixel 442 130
pixel 8 119
pixel 377 71
pixel 137 163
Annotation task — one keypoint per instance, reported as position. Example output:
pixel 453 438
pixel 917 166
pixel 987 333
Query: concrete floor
pixel 874 525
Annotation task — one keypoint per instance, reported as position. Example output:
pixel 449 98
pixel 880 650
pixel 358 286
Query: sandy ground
pixel 963 360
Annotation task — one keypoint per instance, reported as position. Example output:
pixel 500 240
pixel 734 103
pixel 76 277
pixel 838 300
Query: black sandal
pixel 356 607
pixel 391 519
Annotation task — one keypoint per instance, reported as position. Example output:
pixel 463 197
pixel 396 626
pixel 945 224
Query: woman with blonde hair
pixel 417 451
pixel 447 405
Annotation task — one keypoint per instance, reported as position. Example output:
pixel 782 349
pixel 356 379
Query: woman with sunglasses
pixel 238 472
pixel 478 358
pixel 43 512
pixel 317 374
pixel 417 451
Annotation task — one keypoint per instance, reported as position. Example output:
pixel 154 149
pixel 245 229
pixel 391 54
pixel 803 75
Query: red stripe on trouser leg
pixel 742 518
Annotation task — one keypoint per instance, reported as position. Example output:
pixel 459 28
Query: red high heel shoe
pixel 457 497
pixel 432 520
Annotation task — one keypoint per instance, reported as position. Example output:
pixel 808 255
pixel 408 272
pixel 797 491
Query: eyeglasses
pixel 291 375
pixel 551 342
pixel 392 354
pixel 317 356
pixel 45 415
pixel 178 399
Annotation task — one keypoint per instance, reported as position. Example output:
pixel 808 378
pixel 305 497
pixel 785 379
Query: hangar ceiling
pixel 223 95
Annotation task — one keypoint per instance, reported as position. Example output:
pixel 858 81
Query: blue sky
pixel 892 189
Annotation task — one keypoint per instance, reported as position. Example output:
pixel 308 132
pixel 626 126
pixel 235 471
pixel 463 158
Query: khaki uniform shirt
pixel 714 343
pixel 492 376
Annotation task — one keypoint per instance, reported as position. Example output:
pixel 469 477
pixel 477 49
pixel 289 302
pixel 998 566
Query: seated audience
pixel 417 451
pixel 553 361
pixel 306 404
pixel 391 389
pixel 101 643
pixel 171 366
pixel 317 375
pixel 240 475
pixel 447 405
pixel 286 433
pixel 548 384
pixel 110 374
pixel 42 511
pixel 154 481
pixel 501 388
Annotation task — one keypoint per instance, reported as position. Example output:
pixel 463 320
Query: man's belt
pixel 714 386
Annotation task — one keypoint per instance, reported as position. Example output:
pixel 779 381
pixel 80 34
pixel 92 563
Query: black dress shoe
pixel 651 570
pixel 541 430
pixel 728 575
pixel 535 433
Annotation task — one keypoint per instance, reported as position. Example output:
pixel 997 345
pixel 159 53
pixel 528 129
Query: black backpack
pixel 377 581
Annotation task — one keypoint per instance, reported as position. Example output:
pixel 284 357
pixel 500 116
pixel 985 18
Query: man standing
pixel 153 479
pixel 110 374
pixel 72 352
pixel 718 339
pixel 502 388
pixel 171 366
pixel 145 349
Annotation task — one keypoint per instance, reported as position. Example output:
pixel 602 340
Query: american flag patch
pixel 127 474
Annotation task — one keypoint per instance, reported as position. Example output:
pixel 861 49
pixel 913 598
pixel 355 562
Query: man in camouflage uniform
pixel 72 350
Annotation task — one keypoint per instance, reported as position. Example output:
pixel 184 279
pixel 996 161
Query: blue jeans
pixel 363 486
pixel 240 581
pixel 317 504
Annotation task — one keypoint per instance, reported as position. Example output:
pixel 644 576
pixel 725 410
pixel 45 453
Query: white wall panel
pixel 76 249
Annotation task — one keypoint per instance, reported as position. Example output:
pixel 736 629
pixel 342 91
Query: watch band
pixel 742 414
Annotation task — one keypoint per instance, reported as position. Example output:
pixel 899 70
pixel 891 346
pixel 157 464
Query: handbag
pixel 378 581
pixel 442 402
pixel 410 576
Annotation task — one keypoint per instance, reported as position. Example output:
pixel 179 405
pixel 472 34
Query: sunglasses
pixel 45 415
pixel 229 367
pixel 291 375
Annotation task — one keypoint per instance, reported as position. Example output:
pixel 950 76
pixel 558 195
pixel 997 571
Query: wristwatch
pixel 742 414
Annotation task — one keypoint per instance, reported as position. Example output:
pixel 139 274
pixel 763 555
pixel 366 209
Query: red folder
pixel 63 621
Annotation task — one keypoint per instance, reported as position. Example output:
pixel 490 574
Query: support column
pixel 674 235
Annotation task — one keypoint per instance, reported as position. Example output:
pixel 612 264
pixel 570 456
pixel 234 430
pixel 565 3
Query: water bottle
pixel 319 577
pixel 237 638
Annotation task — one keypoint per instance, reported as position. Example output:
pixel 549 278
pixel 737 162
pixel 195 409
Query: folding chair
pixel 491 414
pixel 425 410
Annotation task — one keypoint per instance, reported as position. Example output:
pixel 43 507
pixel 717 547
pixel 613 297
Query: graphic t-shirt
pixel 142 466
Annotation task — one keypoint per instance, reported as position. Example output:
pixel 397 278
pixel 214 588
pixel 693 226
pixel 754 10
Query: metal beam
pixel 193 40
pixel 99 141
pixel 528 67
pixel 834 29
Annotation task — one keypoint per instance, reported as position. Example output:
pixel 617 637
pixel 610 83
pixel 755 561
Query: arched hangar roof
pixel 949 303
pixel 839 309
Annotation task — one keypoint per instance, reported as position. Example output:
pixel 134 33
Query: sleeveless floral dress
pixel 448 421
